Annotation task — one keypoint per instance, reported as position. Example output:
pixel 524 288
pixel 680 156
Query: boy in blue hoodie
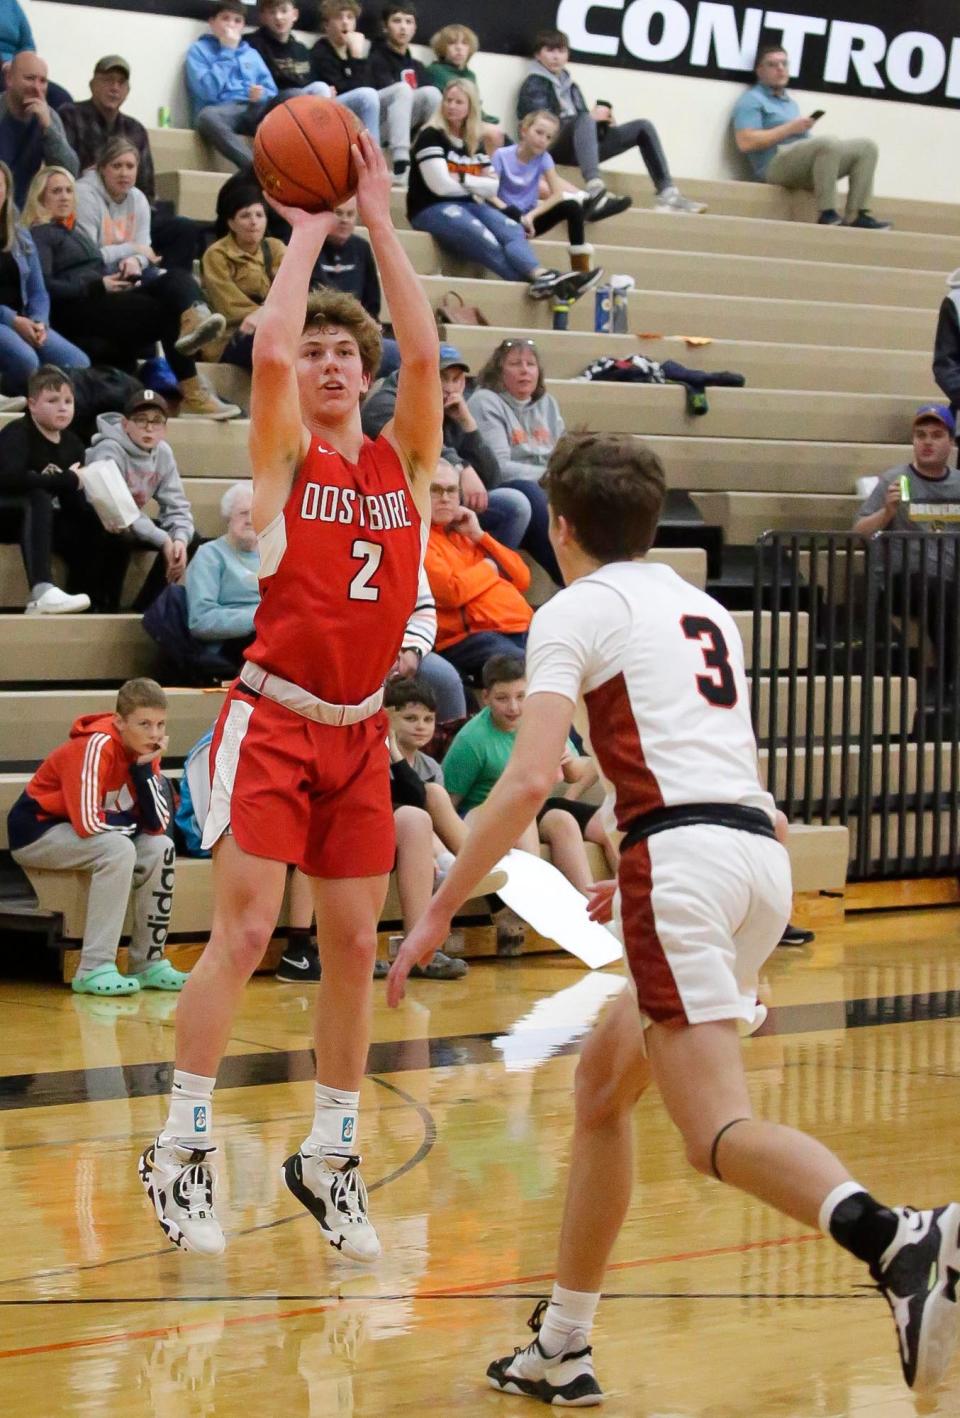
pixel 228 83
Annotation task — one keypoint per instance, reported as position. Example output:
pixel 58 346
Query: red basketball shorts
pixel 315 796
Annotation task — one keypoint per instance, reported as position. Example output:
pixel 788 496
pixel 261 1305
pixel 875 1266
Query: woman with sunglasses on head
pixel 452 195
pixel 521 424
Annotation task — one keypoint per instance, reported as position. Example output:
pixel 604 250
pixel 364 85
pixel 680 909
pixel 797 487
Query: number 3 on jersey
pixel 370 554
pixel 719 687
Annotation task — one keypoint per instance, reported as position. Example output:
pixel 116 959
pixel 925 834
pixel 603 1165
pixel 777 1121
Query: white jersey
pixel 659 665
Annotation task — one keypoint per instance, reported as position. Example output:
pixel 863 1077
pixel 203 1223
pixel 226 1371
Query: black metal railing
pixel 856 691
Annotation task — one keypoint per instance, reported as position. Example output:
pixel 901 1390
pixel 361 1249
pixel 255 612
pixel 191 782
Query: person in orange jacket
pixel 97 804
pixel 477 583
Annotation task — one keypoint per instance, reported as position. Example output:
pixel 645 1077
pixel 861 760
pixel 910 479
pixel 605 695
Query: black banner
pixel 879 49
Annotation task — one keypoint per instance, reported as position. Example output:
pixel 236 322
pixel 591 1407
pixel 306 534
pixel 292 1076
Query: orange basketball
pixel 301 154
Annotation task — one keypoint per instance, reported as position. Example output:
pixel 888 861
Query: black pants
pixel 579 142
pixel 536 539
pixel 178 240
pixel 115 329
pixel 569 211
pixel 123 545
pixel 74 531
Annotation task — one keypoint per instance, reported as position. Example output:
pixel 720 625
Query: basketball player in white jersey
pixel 702 896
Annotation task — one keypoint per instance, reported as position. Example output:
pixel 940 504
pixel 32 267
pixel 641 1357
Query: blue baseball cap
pixel 451 358
pixel 935 411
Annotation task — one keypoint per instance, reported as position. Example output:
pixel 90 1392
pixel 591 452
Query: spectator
pixel 15 31
pixel 223 586
pixel 480 752
pixel 450 182
pixel 135 441
pixel 418 658
pixel 41 499
pixel 346 263
pixel 526 168
pixel 228 83
pixel 932 482
pixel 287 59
pixel 69 818
pixel 414 866
pixel 393 68
pixel 31 133
pixel 477 583
pixel 412 707
pixel 89 126
pixel 503 512
pixel 238 271
pixel 520 423
pixel 394 112
pixel 770 129
pixel 26 341
pixel 946 349
pixel 110 315
pixel 588 137
pixel 454 47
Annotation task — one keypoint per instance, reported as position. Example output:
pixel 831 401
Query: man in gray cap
pixel 90 125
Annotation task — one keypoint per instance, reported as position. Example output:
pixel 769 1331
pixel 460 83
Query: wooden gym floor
pixel 714 1306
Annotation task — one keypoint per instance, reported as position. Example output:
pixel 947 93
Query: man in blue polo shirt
pixel 770 129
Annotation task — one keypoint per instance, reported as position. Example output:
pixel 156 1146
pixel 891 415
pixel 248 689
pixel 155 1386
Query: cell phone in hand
pixel 817 114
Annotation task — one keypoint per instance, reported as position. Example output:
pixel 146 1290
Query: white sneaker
pixel 57 602
pixel 566 1379
pixel 180 1183
pixel 337 1199
pixel 672 200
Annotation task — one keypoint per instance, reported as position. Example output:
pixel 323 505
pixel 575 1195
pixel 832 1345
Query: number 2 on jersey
pixel 722 690
pixel 371 554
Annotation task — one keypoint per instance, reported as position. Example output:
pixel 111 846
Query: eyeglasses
pixel 437 491
pixel 510 344
pixel 148 422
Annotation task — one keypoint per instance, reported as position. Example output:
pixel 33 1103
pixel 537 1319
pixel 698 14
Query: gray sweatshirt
pixel 116 227
pixel 520 434
pixel 148 475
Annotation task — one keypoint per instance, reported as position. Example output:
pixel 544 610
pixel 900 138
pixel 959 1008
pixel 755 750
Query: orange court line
pixel 625 1265
pixel 165 1331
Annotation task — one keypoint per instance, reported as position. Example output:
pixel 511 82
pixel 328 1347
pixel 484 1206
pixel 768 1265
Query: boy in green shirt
pixel 455 46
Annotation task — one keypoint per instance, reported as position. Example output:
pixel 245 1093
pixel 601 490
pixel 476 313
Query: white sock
pixel 190 1119
pixel 568 1310
pixel 595 186
pixel 334 1132
pixel 831 1202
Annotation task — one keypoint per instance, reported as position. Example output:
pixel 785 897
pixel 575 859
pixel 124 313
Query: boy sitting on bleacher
pixel 97 805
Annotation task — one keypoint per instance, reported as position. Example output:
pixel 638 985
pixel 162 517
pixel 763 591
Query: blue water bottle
pixel 603 309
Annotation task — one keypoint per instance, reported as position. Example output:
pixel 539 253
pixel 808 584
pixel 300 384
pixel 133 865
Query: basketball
pixel 301 154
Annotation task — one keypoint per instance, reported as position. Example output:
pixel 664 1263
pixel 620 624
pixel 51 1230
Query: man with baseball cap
pixel 921 496
pixel 91 123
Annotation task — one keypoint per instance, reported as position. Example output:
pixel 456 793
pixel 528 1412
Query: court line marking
pixel 451 1292
pixel 410 1295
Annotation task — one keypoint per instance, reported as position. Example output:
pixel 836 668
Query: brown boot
pixel 198 326
pixel 199 401
pixel 580 257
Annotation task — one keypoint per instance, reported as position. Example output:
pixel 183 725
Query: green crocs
pixel 106 980
pixel 161 976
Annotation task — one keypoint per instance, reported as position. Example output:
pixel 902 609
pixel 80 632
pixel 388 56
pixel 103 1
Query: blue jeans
pixel 470 655
pixel 536 540
pixel 447 687
pixel 18 360
pixel 365 103
pixel 506 517
pixel 476 232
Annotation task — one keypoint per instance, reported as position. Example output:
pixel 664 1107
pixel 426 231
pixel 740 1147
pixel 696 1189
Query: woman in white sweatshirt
pixel 451 180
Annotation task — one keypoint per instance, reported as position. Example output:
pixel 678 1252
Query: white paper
pixel 544 898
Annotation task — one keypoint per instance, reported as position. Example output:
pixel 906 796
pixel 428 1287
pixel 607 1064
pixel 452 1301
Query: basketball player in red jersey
pixel 702 895
pixel 299 758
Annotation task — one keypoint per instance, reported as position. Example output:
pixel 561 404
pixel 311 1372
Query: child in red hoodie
pixel 97 805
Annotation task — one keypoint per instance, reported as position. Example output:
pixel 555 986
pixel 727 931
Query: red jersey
pixel 339 568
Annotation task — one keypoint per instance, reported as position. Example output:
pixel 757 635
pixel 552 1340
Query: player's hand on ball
pixel 320 222
pixel 373 187
pixel 600 895
pixel 419 947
